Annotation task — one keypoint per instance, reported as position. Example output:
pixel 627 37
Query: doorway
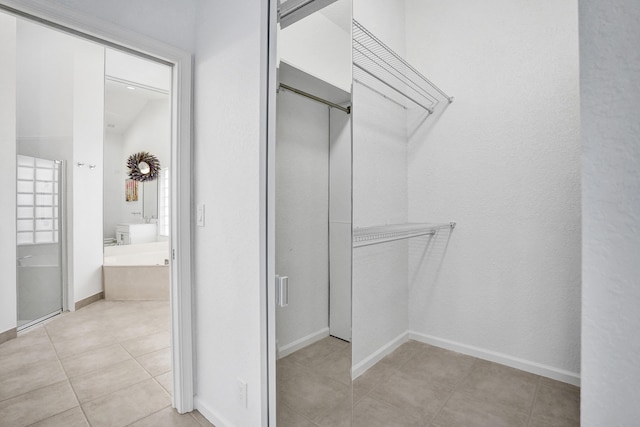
pixel 88 169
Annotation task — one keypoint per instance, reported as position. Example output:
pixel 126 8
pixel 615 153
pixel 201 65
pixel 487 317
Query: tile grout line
pixel 453 391
pixel 534 400
pixel 66 376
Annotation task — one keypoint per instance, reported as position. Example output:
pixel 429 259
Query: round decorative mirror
pixel 143 166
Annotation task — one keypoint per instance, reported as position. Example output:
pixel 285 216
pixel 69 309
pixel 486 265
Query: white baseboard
pixel 503 359
pixel 298 344
pixel 378 355
pixel 210 414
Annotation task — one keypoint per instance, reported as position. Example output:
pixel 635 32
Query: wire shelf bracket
pixel 366 236
pixel 374 59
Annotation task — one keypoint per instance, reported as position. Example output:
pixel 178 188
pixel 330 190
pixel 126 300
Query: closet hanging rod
pixel 379 93
pixel 429 109
pixel 367 236
pixel 316 98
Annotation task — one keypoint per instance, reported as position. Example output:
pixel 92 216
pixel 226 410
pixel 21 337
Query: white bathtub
pixel 136 272
pixel 156 253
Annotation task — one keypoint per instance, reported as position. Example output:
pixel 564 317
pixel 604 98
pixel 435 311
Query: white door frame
pixel 181 165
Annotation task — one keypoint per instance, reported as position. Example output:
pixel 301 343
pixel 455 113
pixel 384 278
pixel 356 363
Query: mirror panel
pixel 313 218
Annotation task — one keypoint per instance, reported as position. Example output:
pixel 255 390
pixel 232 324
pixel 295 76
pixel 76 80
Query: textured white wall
pixel 379 272
pixel 8 30
pixel 229 63
pixel 610 99
pixel 503 161
pixel 302 216
pixel 85 253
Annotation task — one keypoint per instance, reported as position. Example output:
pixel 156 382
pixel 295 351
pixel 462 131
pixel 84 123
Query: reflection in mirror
pixel 137 143
pixel 144 168
pixel 150 200
pixel 313 216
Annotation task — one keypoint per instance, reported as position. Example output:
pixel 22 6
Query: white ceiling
pixel 122 105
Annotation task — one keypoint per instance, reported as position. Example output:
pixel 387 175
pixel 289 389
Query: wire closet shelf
pixel 374 59
pixel 366 236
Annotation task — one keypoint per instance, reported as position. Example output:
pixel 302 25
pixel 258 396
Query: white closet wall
pixel 504 162
pixel 302 219
pixel 380 299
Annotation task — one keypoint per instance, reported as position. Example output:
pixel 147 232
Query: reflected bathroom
pixel 136 178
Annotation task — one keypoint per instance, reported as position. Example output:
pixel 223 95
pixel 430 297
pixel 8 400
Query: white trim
pixel 302 342
pixel 181 165
pixel 267 214
pixel 503 359
pixel 378 355
pixel 211 415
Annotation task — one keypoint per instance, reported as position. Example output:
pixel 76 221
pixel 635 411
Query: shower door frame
pixel 106 34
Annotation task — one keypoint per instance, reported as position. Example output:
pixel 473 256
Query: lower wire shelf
pixel 366 236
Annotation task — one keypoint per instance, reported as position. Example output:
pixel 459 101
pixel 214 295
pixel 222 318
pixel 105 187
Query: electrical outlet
pixel 242 393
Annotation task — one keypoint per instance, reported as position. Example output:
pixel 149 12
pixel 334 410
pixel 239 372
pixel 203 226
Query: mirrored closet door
pixel 313 215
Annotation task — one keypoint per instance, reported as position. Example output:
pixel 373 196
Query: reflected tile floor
pixel 418 385
pixel 107 364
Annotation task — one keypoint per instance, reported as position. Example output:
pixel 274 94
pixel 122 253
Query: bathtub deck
pixel 136 283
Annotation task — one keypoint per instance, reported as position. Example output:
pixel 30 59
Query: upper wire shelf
pixel 365 236
pixel 374 59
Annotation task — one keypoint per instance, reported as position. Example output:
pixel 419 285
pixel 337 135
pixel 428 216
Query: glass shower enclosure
pixel 39 239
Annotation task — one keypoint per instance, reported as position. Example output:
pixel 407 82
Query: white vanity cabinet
pixel 131 234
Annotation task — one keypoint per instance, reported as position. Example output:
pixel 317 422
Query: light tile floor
pixel 418 385
pixel 108 364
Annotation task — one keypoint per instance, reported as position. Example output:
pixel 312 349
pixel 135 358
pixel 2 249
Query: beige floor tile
pixel 375 375
pixel 166 381
pixel 373 413
pixel 201 419
pixel 167 417
pixel 314 353
pixel 156 363
pixel 74 327
pixel 72 418
pixel 23 356
pixel 95 359
pixel 339 415
pixel 501 384
pixel 30 377
pixel 542 421
pixel 147 344
pixel 127 405
pixel 115 377
pixel 134 329
pixel 412 395
pixel 285 417
pixel 442 368
pixel 336 365
pixel 463 410
pixel 37 405
pixel 311 395
pixel 35 336
pixel 77 346
pixel 405 352
pixel 556 404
